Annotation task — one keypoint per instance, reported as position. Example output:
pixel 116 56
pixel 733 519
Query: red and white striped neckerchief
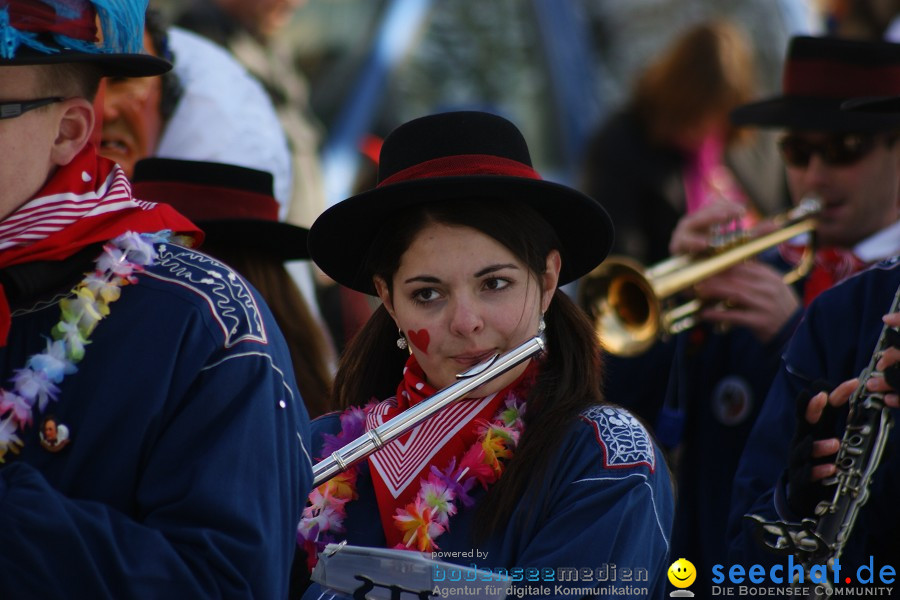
pixel 86 202
pixel 84 188
pixel 398 468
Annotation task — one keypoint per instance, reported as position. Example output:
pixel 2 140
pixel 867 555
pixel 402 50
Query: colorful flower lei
pixel 88 303
pixel 428 516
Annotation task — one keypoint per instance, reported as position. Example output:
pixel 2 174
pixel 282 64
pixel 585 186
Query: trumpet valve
pixel 727 234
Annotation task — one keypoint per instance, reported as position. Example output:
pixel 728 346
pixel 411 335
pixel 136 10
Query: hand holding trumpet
pixel 632 306
pixel 692 233
pixel 750 294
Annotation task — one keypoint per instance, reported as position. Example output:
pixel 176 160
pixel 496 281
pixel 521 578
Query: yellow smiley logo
pixel 682 573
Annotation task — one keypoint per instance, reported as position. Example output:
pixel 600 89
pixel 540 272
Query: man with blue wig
pixel 183 468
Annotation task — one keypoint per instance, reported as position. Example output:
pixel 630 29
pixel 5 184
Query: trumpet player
pixel 849 162
pixel 807 405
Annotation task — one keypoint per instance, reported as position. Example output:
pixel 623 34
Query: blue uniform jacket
pixel 185 472
pixel 606 504
pixel 833 343
pixel 718 383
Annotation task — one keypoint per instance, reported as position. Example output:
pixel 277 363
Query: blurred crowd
pixel 311 57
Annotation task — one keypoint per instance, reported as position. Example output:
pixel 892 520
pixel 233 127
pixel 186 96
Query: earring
pixel 401 341
pixel 541 325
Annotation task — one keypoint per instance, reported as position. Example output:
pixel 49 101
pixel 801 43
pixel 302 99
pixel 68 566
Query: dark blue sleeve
pixel 612 504
pixel 833 342
pixel 620 520
pixel 765 455
pixel 185 477
pixel 214 522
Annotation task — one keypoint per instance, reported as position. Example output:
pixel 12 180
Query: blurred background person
pixel 208 109
pixel 251 31
pixel 671 148
pixel 135 110
pixel 248 30
pixel 345 310
pixel 236 209
pixel 861 19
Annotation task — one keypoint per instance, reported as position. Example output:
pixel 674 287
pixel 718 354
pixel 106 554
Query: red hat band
pixel 832 79
pixel 462 165
pixel 37 17
pixel 200 202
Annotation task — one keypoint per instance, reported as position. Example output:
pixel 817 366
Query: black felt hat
pixel 42 32
pixel 876 104
pixel 450 156
pixel 820 74
pixel 232 205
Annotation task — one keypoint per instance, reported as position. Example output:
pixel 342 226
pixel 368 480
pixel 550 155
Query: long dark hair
pixel 570 377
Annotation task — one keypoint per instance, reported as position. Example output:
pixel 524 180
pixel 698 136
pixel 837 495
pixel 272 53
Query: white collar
pixel 880 245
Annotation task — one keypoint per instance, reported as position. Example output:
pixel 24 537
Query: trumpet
pixel 632 306
pixel 374 439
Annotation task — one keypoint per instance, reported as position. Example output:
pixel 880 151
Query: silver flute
pixel 821 540
pixel 377 438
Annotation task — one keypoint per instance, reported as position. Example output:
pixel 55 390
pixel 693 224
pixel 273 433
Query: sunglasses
pixel 835 151
pixel 11 110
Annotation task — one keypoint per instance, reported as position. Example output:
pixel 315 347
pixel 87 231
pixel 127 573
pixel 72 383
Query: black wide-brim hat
pixel 889 104
pixel 233 205
pixel 450 156
pixel 820 75
pixel 46 32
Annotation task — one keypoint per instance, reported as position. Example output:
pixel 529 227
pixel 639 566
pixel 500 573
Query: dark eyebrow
pixel 423 279
pixel 494 268
pixel 481 273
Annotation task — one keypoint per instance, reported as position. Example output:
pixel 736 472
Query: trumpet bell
pixel 622 305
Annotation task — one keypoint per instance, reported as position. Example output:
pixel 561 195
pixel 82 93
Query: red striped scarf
pixel 86 202
pixel 398 468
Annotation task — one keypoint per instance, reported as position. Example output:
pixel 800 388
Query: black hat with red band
pixel 233 205
pixel 821 74
pixel 42 32
pixel 449 156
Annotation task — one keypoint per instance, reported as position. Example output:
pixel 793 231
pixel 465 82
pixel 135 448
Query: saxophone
pixel 821 540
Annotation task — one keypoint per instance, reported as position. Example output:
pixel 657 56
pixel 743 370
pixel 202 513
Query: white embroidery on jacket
pixel 230 300
pixel 624 440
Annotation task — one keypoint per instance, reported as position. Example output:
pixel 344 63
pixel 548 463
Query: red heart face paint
pixel 419 339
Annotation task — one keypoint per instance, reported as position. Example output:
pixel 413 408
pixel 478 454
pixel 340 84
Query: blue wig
pixel 121 28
